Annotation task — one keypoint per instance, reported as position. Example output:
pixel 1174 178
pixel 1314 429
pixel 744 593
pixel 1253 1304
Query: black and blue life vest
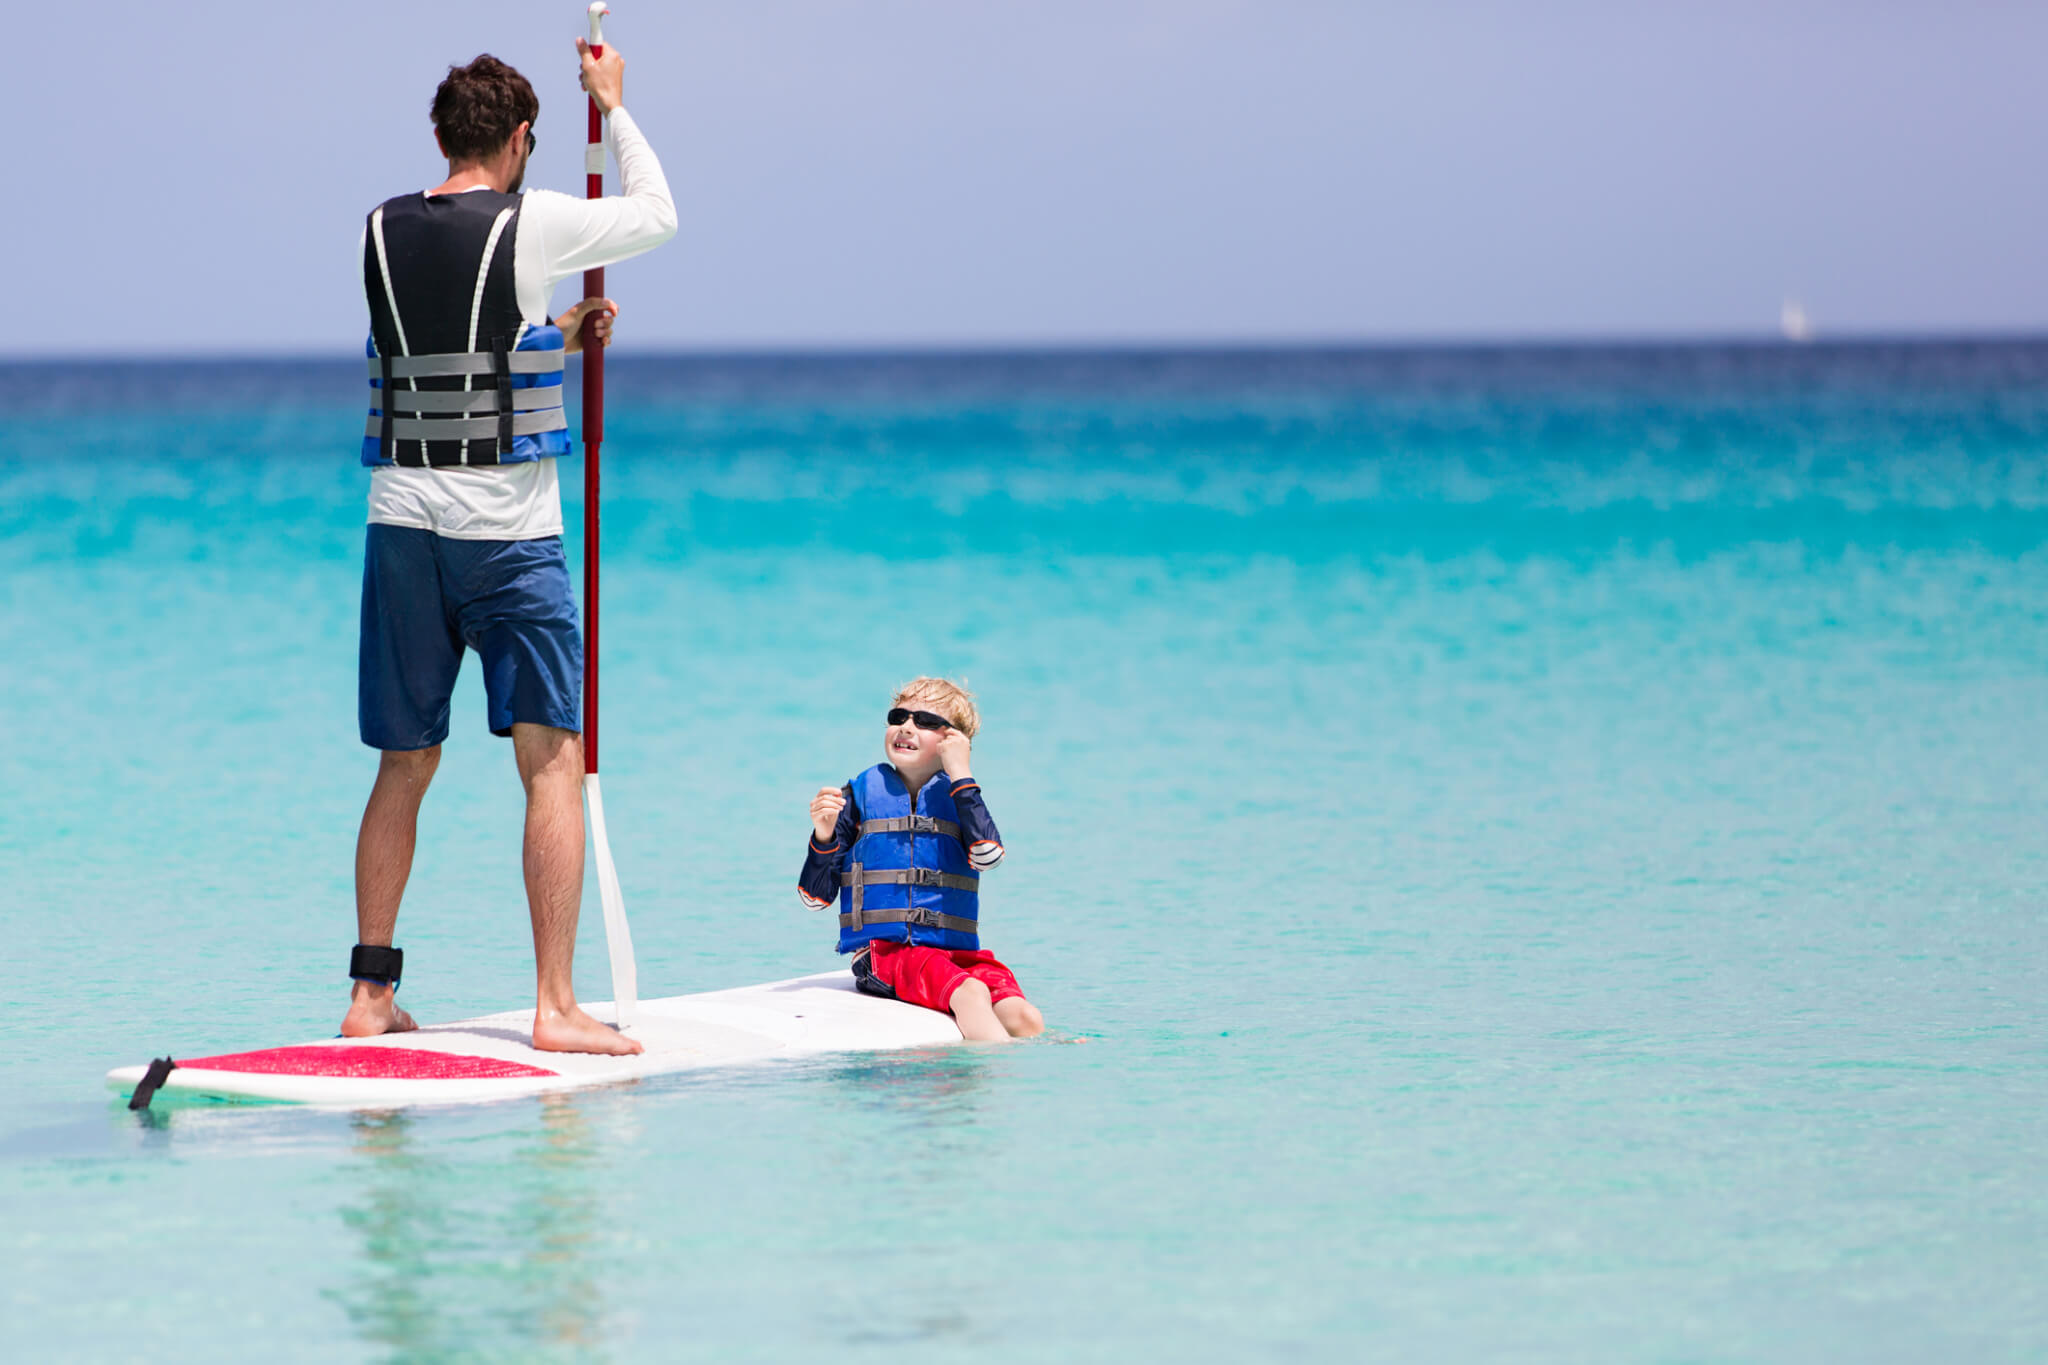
pixel 457 376
pixel 907 878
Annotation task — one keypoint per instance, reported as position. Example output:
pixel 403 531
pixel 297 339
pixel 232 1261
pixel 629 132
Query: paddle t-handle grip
pixel 593 154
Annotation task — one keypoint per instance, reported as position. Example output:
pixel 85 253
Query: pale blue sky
pixel 918 172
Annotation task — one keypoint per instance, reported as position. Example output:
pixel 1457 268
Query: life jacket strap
pixel 909 824
pixel 501 361
pixel 483 428
pixel 405 403
pixel 921 916
pixel 456 364
pixel 385 441
pixel 858 876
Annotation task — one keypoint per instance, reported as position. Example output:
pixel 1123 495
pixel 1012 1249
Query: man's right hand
pixel 603 77
pixel 571 323
pixel 825 808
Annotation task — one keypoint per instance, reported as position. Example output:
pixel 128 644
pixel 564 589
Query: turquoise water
pixel 1526 855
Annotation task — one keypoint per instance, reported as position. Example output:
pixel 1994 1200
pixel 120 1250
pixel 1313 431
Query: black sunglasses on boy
pixel 924 720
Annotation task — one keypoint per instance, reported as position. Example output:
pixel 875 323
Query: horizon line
pixel 1133 346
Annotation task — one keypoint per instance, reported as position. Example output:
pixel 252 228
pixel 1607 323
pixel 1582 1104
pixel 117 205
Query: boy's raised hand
pixel 825 808
pixel 953 753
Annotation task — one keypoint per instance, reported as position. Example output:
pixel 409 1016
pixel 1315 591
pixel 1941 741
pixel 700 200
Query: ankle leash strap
pixel 376 964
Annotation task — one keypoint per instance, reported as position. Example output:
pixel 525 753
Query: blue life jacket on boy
pixel 907 878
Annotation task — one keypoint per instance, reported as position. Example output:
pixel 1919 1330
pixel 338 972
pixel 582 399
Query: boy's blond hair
pixel 945 696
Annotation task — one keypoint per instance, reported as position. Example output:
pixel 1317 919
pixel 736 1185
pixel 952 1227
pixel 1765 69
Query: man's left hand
pixel 571 323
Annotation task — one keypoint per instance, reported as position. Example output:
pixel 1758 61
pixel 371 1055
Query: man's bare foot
pixel 372 1010
pixel 572 1030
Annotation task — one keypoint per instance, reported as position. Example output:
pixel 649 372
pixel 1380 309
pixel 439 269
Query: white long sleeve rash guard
pixel 559 236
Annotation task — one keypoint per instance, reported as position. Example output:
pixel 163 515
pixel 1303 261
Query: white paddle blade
pixel 617 937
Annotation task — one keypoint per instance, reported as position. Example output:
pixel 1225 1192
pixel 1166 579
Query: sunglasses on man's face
pixel 924 720
pixel 531 142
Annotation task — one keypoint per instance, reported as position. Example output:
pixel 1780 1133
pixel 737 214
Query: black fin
pixel 145 1089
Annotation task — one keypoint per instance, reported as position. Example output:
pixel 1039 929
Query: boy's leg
pixel 975 1015
pixel 1016 1014
pixel 936 979
pixel 1020 1017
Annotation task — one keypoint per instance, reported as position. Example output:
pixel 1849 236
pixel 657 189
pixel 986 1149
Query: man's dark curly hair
pixel 478 106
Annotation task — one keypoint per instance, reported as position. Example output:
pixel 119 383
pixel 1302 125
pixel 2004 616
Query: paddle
pixel 618 938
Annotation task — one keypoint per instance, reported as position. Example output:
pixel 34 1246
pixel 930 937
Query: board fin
pixel 145 1089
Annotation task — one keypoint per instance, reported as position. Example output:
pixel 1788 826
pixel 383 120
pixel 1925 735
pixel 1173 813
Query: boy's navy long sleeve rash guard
pixel 818 884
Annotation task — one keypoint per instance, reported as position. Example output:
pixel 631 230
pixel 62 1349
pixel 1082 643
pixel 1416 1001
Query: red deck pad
pixel 373 1063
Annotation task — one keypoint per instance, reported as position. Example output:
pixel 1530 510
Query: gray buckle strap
pixel 455 364
pixel 480 401
pixel 501 359
pixel 856 879
pixel 912 876
pixel 921 916
pixel 467 428
pixel 385 441
pixel 909 824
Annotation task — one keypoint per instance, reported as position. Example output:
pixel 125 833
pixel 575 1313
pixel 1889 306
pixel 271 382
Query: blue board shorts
pixel 426 597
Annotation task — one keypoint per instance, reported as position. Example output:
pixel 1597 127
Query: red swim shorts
pixel 929 976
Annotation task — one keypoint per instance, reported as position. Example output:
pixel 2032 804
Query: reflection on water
pixel 936 1084
pixel 398 1221
pixel 929 1100
pixel 461 1257
pixel 153 1126
pixel 558 1222
pixel 930 1135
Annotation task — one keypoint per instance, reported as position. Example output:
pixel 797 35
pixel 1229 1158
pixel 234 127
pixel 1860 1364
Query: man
pixel 464 545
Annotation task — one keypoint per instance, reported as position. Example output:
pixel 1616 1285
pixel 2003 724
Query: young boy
pixel 903 847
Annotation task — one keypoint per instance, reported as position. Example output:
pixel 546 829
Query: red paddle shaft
pixel 593 422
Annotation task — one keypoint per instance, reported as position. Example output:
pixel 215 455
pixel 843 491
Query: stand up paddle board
pixel 493 1058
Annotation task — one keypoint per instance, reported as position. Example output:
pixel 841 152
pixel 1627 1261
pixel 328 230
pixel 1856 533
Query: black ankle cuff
pixel 376 964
